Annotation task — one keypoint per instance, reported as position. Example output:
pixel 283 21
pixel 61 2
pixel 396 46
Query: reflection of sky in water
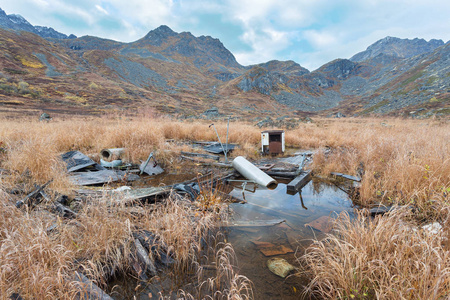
pixel 319 199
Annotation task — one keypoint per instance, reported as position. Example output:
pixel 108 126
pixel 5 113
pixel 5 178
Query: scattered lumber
pixel 32 197
pixel 299 182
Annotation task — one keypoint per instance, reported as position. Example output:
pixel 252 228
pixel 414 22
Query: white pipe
pixel 109 153
pixel 252 172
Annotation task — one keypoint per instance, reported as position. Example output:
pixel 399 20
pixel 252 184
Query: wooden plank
pixel 215 157
pixel 139 194
pixel 88 289
pixel 282 174
pixel 144 257
pixel 252 223
pixel 33 196
pixel 299 182
pixel 217 148
pixel 345 176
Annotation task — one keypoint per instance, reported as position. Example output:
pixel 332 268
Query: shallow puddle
pixel 255 245
pixel 271 224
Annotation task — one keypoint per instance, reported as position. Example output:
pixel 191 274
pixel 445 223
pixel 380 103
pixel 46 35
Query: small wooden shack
pixel 272 142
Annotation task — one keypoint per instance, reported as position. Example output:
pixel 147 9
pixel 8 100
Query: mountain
pixel 19 23
pixel 403 48
pixel 179 73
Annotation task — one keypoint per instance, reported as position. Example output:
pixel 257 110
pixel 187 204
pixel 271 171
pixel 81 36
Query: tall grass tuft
pixel 227 284
pixel 384 258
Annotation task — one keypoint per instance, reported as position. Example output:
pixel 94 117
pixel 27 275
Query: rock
pixel 433 228
pixel 45 117
pixel 211 113
pixel 279 266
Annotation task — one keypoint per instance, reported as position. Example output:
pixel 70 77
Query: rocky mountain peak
pixel 339 68
pixel 18 19
pixel 17 22
pixel 288 66
pixel 402 48
pixel 158 36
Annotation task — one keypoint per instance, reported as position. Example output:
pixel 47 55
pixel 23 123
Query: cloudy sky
pixel 310 32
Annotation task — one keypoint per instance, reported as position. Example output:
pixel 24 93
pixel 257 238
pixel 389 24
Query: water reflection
pixel 255 245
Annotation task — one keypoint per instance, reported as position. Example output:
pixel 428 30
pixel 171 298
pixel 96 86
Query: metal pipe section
pixel 252 172
pixel 113 152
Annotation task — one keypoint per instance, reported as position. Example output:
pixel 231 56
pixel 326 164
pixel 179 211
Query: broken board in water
pixel 345 176
pixel 324 224
pixel 269 249
pixel 299 182
pixel 76 160
pixel 252 223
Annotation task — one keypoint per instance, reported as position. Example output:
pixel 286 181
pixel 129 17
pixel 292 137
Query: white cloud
pixel 311 32
pixel 101 9
pixel 320 39
pixel 264 45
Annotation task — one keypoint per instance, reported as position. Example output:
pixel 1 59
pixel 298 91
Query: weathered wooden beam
pixel 88 289
pixel 215 157
pixel 252 223
pixel 282 174
pixel 144 257
pixel 33 196
pixel 345 176
pixel 299 182
pixel 63 211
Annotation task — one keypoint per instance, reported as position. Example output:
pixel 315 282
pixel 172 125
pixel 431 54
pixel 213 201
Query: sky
pixel 309 32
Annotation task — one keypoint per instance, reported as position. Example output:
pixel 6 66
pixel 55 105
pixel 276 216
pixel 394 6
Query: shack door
pixel 275 146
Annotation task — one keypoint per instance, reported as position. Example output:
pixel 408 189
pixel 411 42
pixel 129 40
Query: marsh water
pixel 272 223
pixel 253 244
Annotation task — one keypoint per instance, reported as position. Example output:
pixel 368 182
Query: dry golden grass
pixel 227 284
pixel 384 258
pixel 41 265
pixel 404 162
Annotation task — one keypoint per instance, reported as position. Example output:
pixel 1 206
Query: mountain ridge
pixel 178 73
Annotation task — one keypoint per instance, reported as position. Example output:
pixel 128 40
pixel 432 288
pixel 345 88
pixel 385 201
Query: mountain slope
pixel 403 48
pixel 178 73
pixel 19 23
